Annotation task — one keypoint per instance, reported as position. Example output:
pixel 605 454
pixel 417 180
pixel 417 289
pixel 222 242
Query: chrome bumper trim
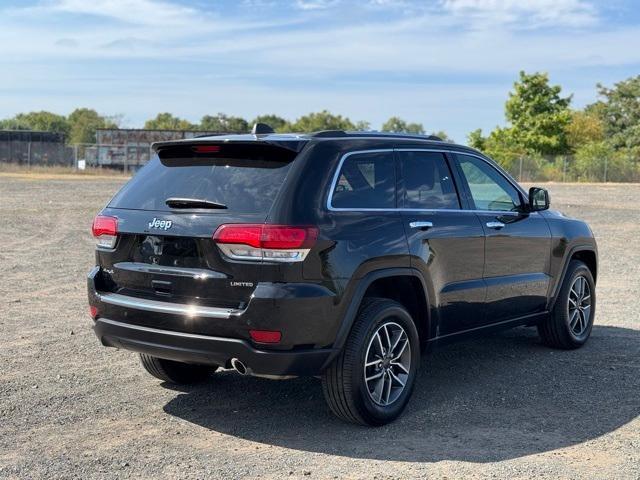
pixel 167 307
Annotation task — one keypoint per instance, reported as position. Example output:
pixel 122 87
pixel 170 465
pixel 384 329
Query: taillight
pixel 93 311
pixel 105 230
pixel 276 243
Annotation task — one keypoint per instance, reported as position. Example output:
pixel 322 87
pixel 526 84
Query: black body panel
pixel 468 276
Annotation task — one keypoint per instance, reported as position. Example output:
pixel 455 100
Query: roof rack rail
pixel 329 133
pixel 342 133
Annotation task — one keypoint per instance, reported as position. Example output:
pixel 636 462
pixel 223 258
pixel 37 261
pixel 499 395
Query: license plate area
pixel 168 251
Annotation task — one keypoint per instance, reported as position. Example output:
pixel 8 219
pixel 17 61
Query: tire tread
pixel 337 389
pixel 553 330
pixel 173 372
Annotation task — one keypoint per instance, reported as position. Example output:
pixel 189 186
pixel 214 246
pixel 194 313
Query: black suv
pixel 337 254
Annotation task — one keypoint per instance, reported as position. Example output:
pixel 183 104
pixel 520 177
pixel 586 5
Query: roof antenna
pixel 261 128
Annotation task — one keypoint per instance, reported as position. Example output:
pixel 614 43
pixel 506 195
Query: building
pixel 30 147
pixel 130 148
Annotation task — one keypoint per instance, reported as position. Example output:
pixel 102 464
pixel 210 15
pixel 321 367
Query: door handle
pixel 496 225
pixel 421 225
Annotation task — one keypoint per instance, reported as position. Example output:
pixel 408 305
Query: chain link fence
pixel 47 149
pixel 566 168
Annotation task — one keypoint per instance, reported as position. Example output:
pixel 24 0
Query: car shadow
pixel 489 399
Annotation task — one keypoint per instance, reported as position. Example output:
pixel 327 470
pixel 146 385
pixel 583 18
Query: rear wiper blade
pixel 192 203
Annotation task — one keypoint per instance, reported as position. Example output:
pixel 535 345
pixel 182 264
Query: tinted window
pixel 489 189
pixel 366 180
pixel 243 181
pixel 427 181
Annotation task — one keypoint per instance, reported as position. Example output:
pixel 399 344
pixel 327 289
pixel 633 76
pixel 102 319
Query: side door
pixel 363 219
pixel 446 242
pixel 517 246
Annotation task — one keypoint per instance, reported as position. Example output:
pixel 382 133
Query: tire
pixel 348 395
pixel 175 372
pixel 563 328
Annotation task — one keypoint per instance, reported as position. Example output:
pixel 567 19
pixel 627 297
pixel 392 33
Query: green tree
pixel 505 147
pixel 14 124
pixel 83 123
pixel 318 121
pixel 44 121
pixel 166 121
pixel 224 123
pixel 279 124
pixel 362 126
pixel 619 111
pixel 398 125
pixel 538 114
pixel 585 127
pixel 443 136
pixel 476 140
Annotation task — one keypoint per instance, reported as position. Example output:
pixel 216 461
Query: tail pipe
pixel 239 367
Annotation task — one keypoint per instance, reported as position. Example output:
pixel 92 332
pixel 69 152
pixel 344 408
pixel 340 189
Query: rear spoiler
pixel 293 143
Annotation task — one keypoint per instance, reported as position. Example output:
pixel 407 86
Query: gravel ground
pixel 500 406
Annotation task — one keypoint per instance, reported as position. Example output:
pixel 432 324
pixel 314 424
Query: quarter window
pixel 489 189
pixel 427 181
pixel 366 180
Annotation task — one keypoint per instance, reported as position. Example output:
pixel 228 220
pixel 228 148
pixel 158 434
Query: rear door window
pixel 427 181
pixel 244 179
pixel 366 180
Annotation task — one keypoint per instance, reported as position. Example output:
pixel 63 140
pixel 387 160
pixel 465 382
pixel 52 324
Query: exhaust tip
pixel 238 366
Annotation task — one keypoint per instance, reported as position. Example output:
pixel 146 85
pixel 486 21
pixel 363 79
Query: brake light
pixel 206 148
pixel 278 243
pixel 265 336
pixel 105 230
pixel 93 311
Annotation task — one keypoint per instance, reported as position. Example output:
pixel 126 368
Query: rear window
pixel 244 178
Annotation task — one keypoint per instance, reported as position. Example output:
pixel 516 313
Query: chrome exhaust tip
pixel 239 367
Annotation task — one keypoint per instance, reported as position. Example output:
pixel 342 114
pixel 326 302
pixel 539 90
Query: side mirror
pixel 538 199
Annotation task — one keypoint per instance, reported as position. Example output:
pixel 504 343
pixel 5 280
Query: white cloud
pixel 138 12
pixel 524 13
pixel 448 63
pixel 315 4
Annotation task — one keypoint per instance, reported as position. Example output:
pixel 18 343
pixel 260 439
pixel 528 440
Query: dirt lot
pixel 502 406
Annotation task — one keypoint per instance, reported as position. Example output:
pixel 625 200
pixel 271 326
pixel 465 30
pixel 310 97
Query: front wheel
pixel 371 381
pixel 571 320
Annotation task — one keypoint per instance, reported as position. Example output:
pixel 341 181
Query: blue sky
pixel 448 64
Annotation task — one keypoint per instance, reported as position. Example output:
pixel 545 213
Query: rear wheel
pixel 571 320
pixel 175 372
pixel 372 379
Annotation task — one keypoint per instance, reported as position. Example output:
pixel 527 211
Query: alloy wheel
pixel 579 306
pixel 387 363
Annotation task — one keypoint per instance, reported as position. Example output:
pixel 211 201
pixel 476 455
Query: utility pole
pixel 520 174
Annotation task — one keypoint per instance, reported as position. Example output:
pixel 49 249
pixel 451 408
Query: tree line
pixel 602 140
pixel 81 125
pixel 541 127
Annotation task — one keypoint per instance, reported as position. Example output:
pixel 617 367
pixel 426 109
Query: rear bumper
pixel 213 336
pixel 208 350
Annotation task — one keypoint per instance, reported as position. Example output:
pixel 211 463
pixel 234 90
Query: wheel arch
pixel 407 286
pixel 585 253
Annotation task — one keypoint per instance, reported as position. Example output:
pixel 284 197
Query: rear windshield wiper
pixel 192 203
